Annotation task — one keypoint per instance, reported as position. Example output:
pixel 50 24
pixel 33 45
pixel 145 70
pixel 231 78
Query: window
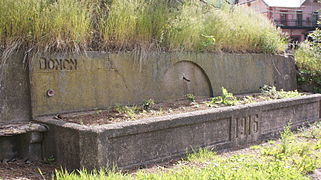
pixel 299 18
pixel 315 18
pixel 283 17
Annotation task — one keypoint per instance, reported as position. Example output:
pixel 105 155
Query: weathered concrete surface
pixel 67 84
pixel 135 143
pixel 100 80
pixel 14 90
pixel 284 73
pixel 23 140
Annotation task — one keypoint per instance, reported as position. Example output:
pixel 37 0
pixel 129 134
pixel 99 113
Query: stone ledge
pixel 17 128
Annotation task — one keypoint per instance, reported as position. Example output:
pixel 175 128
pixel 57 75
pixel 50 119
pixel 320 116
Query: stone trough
pixel 136 143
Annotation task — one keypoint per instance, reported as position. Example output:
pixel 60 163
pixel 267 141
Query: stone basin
pixel 146 141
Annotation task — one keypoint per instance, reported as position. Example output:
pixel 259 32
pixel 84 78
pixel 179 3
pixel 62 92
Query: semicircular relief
pixel 186 77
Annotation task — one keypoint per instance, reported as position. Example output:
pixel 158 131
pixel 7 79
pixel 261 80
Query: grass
pixel 133 23
pixel 50 25
pixel 294 156
pixel 63 24
pixel 209 29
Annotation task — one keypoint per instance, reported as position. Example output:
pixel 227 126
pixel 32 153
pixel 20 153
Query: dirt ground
pixel 26 170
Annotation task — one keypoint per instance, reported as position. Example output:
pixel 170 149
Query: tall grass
pixel 132 23
pixel 49 24
pixel 129 24
pixel 235 30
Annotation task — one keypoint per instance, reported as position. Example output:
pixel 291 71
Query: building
pixel 295 17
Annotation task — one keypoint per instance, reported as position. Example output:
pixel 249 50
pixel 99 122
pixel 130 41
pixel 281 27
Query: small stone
pixel 27 161
pixel 5 161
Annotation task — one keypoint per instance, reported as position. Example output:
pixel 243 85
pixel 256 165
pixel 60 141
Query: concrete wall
pixel 14 90
pixel 67 84
pixel 59 83
pixel 136 143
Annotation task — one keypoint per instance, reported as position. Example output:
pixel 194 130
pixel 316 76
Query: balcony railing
pixel 294 23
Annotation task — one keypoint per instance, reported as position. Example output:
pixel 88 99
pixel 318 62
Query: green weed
pixel 130 111
pixel 51 160
pixel 226 98
pixel 314 131
pixel 81 122
pixel 248 99
pixel 286 138
pixel 190 97
pixel 148 103
pixel 271 92
pixel 201 155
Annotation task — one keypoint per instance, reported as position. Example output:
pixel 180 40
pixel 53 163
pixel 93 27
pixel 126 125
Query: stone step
pixel 21 140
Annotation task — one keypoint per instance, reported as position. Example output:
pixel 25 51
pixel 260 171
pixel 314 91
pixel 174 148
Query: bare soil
pixel 26 170
pixel 129 113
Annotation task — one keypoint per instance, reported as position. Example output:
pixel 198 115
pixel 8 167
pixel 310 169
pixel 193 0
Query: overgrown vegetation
pixel 272 93
pixel 267 93
pixel 191 25
pixel 308 60
pixel 63 24
pixel 294 156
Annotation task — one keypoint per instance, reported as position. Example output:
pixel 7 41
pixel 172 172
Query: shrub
pixel 308 60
